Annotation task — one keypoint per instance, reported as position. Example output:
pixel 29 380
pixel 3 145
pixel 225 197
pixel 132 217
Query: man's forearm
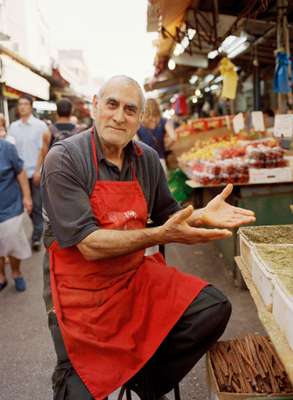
pixel 106 243
pixel 39 162
pixel 43 151
pixel 23 183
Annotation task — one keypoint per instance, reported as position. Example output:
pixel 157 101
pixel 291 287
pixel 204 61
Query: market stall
pixel 259 168
pixel 265 263
pixel 246 47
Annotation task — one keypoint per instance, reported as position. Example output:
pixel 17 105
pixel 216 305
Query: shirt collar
pixel 28 122
pixel 132 150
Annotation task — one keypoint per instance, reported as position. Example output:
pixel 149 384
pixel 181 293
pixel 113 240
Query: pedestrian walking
pixel 28 133
pixel 117 315
pixel 3 130
pixel 63 127
pixel 14 198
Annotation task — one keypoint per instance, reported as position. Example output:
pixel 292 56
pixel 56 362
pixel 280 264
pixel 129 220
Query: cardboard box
pixel 215 394
pixel 270 175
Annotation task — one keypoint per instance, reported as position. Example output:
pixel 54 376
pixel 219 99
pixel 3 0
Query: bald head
pixel 123 80
pixel 118 110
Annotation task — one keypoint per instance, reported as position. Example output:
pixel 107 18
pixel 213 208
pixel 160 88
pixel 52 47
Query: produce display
pixel 194 126
pixel 221 160
pixel 249 365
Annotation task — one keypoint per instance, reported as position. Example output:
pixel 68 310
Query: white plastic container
pixel 270 175
pixel 246 248
pixel 283 310
pixel 263 280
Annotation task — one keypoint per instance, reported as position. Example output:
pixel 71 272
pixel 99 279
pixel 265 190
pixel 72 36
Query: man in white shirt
pixel 28 133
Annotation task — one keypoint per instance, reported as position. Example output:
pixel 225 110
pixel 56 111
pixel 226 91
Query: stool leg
pixel 121 393
pixel 177 392
pixel 128 394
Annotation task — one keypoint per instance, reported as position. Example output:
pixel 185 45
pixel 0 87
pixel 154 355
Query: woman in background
pixel 14 197
pixel 156 131
pixel 3 130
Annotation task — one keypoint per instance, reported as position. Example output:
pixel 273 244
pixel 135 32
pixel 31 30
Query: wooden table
pixel 277 337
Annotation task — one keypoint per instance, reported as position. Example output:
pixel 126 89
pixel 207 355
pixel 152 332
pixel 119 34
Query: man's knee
pixel 218 305
pixel 207 316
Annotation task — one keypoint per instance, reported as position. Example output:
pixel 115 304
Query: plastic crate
pixel 263 280
pixel 283 310
pixel 246 248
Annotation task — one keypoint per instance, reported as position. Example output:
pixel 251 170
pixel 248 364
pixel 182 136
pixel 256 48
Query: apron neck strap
pixel 94 150
pixel 95 157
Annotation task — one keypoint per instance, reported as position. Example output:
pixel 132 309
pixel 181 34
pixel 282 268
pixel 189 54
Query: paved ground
pixel 26 352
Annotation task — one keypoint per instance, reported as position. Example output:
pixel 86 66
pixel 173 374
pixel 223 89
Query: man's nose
pixel 119 116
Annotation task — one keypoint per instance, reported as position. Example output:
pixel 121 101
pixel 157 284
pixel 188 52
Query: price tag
pixel 238 123
pixel 283 125
pixel 258 121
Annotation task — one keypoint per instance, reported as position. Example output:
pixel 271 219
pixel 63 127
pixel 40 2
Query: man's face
pixel 118 113
pixel 24 107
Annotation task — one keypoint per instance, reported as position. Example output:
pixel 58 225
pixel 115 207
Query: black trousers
pixel 201 325
pixel 36 214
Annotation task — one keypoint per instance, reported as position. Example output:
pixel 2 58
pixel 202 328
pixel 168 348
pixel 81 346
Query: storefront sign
pixel 21 78
pixel 258 121
pixel 283 125
pixel 238 123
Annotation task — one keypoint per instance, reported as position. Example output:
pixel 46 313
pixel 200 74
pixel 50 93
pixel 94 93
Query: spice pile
pixel 249 365
pixel 274 234
pixel 278 258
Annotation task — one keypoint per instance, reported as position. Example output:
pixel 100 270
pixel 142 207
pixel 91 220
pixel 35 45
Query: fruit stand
pixel 258 168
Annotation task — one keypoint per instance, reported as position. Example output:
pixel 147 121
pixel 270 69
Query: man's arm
pixel 42 154
pixel 104 243
pixel 25 189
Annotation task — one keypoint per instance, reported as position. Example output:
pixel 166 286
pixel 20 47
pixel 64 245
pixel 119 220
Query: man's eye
pixel 130 111
pixel 112 104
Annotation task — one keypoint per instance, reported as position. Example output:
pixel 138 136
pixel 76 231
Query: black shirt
pixel 69 177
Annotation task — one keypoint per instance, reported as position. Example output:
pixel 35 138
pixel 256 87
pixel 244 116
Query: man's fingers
pixel 237 221
pixel 211 234
pixel 243 211
pixel 183 215
pixel 227 191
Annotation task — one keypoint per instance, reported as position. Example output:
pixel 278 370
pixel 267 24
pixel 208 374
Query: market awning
pixel 21 78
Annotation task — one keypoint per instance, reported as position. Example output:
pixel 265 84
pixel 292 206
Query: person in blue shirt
pixel 156 131
pixel 14 197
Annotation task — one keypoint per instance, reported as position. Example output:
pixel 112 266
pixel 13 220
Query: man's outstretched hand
pixel 178 229
pixel 218 213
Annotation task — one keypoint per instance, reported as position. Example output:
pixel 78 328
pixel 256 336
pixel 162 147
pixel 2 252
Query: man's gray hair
pixel 128 80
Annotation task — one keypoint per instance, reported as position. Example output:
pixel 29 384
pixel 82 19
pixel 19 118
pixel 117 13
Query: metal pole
pixel 282 6
pixel 287 48
pixel 256 82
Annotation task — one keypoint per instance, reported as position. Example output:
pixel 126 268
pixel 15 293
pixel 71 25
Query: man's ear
pixel 95 101
pixel 140 117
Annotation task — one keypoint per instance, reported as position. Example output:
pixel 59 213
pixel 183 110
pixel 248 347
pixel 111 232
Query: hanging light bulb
pixel 171 64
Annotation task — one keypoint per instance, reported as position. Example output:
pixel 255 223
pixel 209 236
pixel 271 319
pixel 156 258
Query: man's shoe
pixel 20 284
pixel 36 245
pixel 3 285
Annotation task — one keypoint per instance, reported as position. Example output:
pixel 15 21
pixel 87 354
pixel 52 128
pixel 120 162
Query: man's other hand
pixel 178 229
pixel 218 213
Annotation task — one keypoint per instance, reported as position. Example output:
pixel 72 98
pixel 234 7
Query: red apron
pixel 114 313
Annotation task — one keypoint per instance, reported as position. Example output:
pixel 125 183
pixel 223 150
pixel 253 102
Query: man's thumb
pixel 183 214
